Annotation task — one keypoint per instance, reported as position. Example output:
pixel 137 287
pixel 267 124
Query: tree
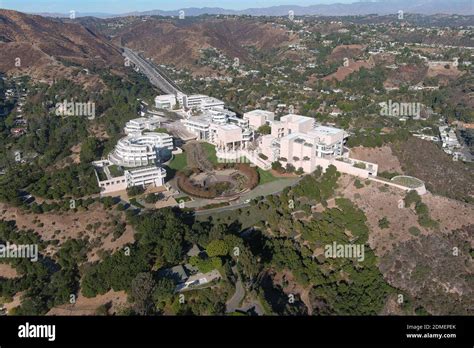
pixel 205 265
pixel 277 167
pixel 89 150
pixel 411 197
pixel 135 191
pixel 384 223
pixel 143 287
pixel 217 248
pixel 164 291
pixel 265 129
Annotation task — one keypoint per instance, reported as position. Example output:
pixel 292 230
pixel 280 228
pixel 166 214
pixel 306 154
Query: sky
pixel 123 6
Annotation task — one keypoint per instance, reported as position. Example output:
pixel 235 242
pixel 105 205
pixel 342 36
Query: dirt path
pixel 305 298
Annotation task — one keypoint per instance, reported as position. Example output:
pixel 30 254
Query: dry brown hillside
pixel 346 51
pixel 443 176
pixel 408 74
pixel 178 42
pixel 48 48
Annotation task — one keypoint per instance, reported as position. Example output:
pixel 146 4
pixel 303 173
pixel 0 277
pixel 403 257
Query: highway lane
pixel 154 74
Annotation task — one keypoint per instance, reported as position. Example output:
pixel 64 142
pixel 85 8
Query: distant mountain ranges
pixel 380 7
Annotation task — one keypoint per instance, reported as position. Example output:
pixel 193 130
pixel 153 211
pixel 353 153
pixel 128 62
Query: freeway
pixel 156 76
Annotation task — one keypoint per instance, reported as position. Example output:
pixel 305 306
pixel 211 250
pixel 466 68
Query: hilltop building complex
pixel 136 158
pixel 138 150
pixel 181 100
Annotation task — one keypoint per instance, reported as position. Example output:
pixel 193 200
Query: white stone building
pixel 145 176
pixel 221 128
pixel 169 101
pixel 298 141
pixel 137 150
pixel 258 118
pixel 138 125
pixel 192 101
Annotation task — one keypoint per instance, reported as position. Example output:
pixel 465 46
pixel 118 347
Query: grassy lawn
pixel 407 181
pixel 211 152
pixel 115 171
pixel 161 130
pixel 179 162
pixel 183 198
pixel 265 177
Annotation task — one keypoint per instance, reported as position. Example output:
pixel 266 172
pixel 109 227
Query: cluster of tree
pixel 289 168
pixel 343 285
pixel 135 191
pixel 15 180
pixel 51 136
pixel 265 129
pixel 318 186
pixel 119 103
pixel 90 150
pixel 116 271
pixel 76 180
pixel 365 80
pixel 205 264
pixel 153 198
pixel 421 209
pixel 162 239
pixel 45 282
pixel 375 139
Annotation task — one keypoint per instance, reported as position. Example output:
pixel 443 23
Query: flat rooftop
pixel 230 127
pixel 326 130
pixel 139 120
pixel 200 119
pixel 259 112
pixel 296 118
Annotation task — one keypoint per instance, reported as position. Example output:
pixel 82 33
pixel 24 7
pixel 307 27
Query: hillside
pixel 47 48
pixel 430 164
pixel 179 42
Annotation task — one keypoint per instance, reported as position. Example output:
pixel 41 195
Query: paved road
pixel 270 188
pixel 156 76
pixel 233 304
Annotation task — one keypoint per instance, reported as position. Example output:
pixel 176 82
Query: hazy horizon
pixel 125 6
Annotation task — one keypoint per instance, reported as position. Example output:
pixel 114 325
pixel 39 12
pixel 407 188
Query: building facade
pixel 137 150
pixel 192 101
pixel 141 124
pixel 145 176
pixel 258 118
pixel 221 128
pixel 298 141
